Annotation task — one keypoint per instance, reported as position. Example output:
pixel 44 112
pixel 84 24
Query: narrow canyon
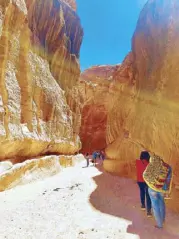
pixel 51 113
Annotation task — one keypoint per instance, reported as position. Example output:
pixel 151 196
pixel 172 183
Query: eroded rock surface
pixel 94 87
pixel 35 169
pixel 151 106
pixel 39 69
pixel 142 108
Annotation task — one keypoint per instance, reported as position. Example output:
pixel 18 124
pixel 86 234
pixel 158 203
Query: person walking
pixel 102 155
pixel 94 156
pixel 87 159
pixel 141 165
pixel 158 176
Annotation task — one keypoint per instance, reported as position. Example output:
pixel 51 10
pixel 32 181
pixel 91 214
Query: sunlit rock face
pixel 122 92
pixel 39 50
pixel 34 169
pixel 94 88
pixel 157 73
pixel 148 117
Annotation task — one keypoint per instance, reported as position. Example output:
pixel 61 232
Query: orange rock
pixel 141 98
pixel 39 70
pixel 94 88
pixel 93 128
pixel 144 109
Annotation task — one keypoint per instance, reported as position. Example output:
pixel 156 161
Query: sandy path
pixel 63 207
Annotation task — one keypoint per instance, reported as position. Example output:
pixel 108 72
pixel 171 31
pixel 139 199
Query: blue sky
pixel 108 28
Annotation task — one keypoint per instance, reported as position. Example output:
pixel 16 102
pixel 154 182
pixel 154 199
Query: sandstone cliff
pixel 141 99
pixel 39 69
pixel 147 116
pixel 94 87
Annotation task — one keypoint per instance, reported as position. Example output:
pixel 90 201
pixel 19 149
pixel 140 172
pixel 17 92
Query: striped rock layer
pixel 39 50
pixel 143 96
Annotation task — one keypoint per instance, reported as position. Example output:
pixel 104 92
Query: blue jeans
pixel 158 205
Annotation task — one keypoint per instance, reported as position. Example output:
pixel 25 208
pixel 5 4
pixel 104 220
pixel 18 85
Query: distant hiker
pixel 158 176
pixel 98 154
pixel 87 159
pixel 102 155
pixel 141 165
pixel 94 156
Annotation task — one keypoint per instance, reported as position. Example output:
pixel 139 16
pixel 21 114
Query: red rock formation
pixel 93 128
pixel 39 70
pixel 94 87
pixel 98 73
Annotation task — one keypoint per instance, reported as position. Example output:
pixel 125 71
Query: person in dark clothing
pixel 141 165
pixel 94 157
pixel 87 159
pixel 102 155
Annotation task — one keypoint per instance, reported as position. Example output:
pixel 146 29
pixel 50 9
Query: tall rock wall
pixel 39 69
pixel 94 87
pixel 121 110
pixel 152 119
pixel 142 98
pixel 148 117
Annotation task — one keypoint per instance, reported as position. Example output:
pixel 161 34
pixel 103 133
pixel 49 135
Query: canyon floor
pixel 79 203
